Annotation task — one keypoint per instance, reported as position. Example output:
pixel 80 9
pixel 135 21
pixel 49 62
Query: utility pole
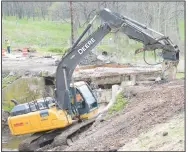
pixel 72 40
pixel 72 24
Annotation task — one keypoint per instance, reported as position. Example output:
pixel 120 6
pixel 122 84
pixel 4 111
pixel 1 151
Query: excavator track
pixel 37 140
pixel 55 138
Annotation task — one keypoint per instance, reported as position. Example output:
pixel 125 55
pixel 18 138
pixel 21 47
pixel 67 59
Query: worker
pixel 8 45
pixel 78 97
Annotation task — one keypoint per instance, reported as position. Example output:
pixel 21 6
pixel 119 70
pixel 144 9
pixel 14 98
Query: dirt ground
pixel 155 107
pixel 166 136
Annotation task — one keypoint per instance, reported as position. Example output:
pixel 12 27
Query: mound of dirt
pixel 91 59
pixel 150 106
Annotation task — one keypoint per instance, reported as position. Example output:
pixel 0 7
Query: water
pixel 10 143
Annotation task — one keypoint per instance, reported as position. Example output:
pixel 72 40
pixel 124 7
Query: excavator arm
pixel 71 60
pixel 137 32
pixel 112 22
pixel 143 34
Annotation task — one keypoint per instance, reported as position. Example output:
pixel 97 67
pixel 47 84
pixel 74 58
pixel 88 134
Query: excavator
pixel 74 108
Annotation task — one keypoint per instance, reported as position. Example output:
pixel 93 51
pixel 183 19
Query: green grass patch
pixel 53 49
pixel 8 80
pixel 56 50
pixel 7 106
pixel 106 48
pixel 119 104
pixel 52 36
pixel 29 33
pixel 182 29
pixel 127 51
pixel 180 75
pixel 119 48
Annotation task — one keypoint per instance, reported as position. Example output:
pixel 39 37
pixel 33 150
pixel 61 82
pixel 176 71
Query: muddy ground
pixel 153 105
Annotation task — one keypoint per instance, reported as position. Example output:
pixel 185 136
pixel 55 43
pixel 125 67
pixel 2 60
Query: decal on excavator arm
pixel 86 46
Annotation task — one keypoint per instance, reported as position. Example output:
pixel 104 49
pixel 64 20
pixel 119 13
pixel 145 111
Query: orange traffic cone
pixel 24 51
pixel 3 52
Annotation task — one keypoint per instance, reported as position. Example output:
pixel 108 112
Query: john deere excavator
pixel 55 120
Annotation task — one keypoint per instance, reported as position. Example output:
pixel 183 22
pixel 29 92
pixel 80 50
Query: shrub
pixel 119 104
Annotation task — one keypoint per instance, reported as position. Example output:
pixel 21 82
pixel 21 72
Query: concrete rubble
pixel 90 69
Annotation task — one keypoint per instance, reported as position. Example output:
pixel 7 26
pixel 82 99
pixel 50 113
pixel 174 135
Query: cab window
pixel 87 94
pixel 79 98
pixel 32 106
pixel 42 105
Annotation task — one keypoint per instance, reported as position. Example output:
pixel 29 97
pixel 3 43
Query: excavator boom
pixel 71 60
pixel 112 21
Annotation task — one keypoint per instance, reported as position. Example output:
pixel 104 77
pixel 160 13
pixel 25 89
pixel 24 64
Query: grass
pixel 7 106
pixel 180 75
pixel 49 36
pixel 52 49
pixel 5 82
pixel 42 35
pixel 182 29
pixel 8 80
pixel 119 104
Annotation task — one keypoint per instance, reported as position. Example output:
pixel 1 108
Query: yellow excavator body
pixel 42 121
pixel 90 114
pixel 36 116
pixel 39 121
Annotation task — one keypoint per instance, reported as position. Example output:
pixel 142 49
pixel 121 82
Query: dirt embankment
pixel 153 104
pixel 168 136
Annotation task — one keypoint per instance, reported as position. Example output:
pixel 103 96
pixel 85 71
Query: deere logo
pixel 86 46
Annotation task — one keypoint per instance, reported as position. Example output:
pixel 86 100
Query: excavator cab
pixel 84 101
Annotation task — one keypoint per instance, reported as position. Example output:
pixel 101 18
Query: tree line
pixel 164 17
